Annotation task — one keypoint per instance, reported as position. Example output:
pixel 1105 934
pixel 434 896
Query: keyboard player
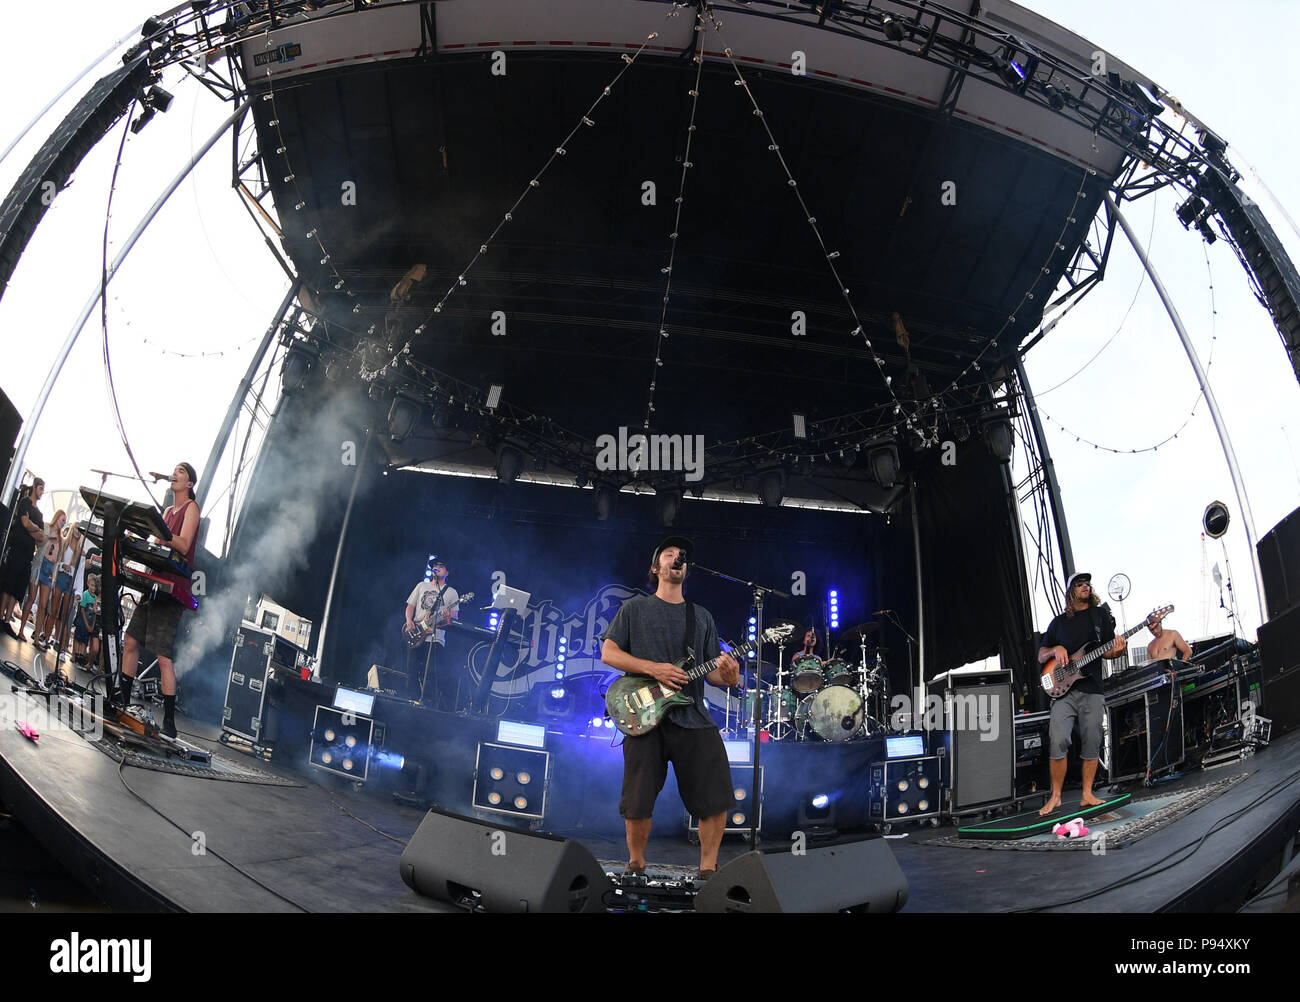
pixel 156 620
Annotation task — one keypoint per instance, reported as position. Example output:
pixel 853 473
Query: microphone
pixel 159 476
pixel 680 561
pixel 881 612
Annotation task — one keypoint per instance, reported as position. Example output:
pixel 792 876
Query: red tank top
pixel 175 519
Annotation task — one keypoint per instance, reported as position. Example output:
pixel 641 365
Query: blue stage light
pixel 820 801
pixel 834 593
pixel 753 620
pixel 597 721
pixel 557 693
pixel 609 724
pixel 559 674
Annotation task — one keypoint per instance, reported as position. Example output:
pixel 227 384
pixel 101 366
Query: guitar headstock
pixel 774 634
pixel 467 597
pixel 1158 614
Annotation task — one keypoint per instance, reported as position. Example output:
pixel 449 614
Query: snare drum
pixel 806 673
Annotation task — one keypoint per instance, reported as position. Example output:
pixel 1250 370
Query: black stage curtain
pixel 976 595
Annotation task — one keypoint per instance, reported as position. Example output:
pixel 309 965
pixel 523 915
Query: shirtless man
pixel 1167 644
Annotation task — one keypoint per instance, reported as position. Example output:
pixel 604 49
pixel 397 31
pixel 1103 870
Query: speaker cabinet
pixel 857 876
pixel 977 744
pixel 1279 644
pixel 1279 564
pixel 481 866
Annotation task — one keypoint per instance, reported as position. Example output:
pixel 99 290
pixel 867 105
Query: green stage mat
pixel 1029 823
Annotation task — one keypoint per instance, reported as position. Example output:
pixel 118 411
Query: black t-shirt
pixel 650 628
pixel 1084 629
pixel 20 540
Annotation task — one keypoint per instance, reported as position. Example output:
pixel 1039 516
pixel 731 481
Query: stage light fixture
pixel 298 362
pixel 820 801
pixel 1190 210
pixel 1054 97
pixel 1000 438
pixel 158 99
pixel 669 501
pixel 145 118
pixel 800 425
pixel 771 487
pixel 603 499
pixel 1203 224
pixel 496 772
pixel 403 416
pixel 883 460
pixel 494 396
pixel 509 462
pixel 1215 520
pixel 894 29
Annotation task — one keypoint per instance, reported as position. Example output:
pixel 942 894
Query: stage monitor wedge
pixel 860 875
pixel 490 867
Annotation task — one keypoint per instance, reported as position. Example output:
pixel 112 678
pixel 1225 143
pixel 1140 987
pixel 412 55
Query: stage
pixel 274 837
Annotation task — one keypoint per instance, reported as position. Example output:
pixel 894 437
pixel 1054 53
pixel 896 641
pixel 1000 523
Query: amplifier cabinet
pixel 905 789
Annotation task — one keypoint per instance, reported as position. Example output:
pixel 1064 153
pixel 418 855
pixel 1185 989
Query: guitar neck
pixel 739 652
pixel 1103 651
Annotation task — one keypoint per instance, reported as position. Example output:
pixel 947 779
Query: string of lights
pixel 1142 280
pixel 584 121
pixel 1214 314
pixel 667 270
pixel 829 255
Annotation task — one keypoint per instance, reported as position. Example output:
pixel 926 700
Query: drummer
pixel 812 642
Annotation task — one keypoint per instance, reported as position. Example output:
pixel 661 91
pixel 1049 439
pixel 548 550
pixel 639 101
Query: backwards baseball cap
pixel 681 542
pixel 1077 578
pixel 189 472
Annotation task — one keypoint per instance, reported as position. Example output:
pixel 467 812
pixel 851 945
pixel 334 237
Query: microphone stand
pixel 916 689
pixel 759 592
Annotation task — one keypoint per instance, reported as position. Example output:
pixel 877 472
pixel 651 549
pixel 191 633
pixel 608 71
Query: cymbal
pixel 853 632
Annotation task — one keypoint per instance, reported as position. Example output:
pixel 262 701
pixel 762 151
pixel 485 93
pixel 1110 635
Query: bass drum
pixel 833 714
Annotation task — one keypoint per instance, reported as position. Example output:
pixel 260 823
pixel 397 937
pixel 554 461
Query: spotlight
pixel 771 487
pixel 1190 210
pixel 1000 438
pixel 298 362
pixel 883 460
pixel 1203 224
pixel 894 30
pixel 670 504
pixel 820 801
pixel 145 118
pixel 403 416
pixel 1215 520
pixel 158 99
pixel 1054 97
pixel 524 778
pixel 509 462
pixel 494 396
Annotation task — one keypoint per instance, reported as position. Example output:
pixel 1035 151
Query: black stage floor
pixel 136 838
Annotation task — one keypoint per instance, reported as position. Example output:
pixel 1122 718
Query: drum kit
pixel 815 699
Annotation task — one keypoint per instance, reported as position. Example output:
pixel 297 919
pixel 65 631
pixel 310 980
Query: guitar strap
pixel 437 603
pixel 689 642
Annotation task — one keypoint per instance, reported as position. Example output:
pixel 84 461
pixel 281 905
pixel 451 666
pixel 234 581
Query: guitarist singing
pixel 1084 623
pixel 647 635
pixel 429 600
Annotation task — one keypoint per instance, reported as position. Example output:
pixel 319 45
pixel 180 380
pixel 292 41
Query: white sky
pixel 201 283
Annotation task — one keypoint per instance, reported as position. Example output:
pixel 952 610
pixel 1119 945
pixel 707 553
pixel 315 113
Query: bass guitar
pixel 1058 678
pixel 637 703
pixel 418 633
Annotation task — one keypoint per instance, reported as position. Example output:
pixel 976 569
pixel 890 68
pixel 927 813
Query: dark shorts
pixel 700 764
pixel 14 575
pixel 79 632
pixel 154 624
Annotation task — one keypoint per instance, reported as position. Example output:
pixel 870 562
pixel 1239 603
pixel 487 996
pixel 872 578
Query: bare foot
pixel 1088 800
pixel 1050 806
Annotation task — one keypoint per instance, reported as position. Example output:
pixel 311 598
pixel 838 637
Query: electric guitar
pixel 637 703
pixel 418 633
pixel 1058 678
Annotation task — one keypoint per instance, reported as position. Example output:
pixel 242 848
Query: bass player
pixel 1084 623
